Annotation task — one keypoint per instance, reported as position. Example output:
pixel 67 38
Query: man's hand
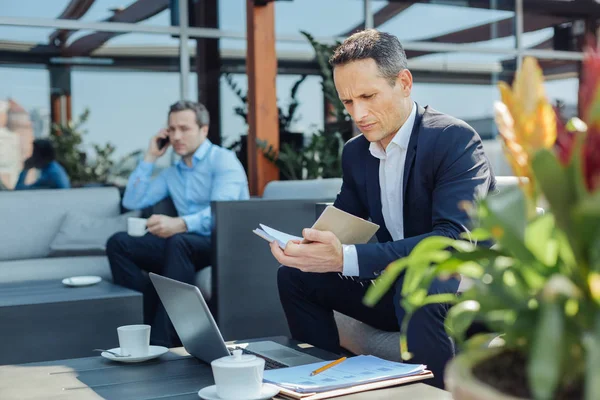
pixel 323 254
pixel 154 152
pixel 164 227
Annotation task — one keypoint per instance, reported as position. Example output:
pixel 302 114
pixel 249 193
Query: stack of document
pixel 348 228
pixel 354 371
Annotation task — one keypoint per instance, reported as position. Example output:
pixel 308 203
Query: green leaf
pixel 478 234
pixel 586 220
pixel 509 208
pixel 539 239
pixel 556 186
pixel 591 343
pixel 419 268
pixel 460 317
pixel 544 366
pixel 439 298
pixel 479 341
pixel 385 281
pixel 432 243
pixel 505 214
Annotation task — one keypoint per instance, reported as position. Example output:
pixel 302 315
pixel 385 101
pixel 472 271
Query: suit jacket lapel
pixel 411 151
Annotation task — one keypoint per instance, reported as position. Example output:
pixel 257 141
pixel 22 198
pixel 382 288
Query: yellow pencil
pixel 326 367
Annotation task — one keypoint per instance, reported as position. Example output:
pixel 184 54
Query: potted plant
pixel 337 119
pixel 67 139
pixel 538 287
pixel 286 117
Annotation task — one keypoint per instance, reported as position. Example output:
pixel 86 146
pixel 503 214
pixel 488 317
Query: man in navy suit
pixel 408 172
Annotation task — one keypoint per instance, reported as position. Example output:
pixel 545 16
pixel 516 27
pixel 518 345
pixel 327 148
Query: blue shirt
pixel 215 175
pixel 52 176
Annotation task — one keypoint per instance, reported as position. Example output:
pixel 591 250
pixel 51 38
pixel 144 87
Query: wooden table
pixel 175 375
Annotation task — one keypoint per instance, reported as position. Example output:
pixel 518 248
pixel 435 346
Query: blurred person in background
pixel 52 174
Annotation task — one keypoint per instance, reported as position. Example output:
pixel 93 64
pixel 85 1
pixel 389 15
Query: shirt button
pixel 376 273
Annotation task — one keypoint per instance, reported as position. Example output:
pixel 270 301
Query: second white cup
pixel 134 340
pixel 136 226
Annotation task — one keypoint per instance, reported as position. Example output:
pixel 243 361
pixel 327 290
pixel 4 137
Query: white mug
pixel 134 340
pixel 136 226
pixel 238 376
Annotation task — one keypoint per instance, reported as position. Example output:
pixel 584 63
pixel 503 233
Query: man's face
pixel 184 133
pixel 378 108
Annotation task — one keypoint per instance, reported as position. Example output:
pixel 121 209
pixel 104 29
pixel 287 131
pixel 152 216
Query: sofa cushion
pixel 31 218
pixel 83 234
pixel 54 268
pixel 204 282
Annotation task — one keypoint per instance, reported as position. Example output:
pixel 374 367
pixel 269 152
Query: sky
pixel 129 117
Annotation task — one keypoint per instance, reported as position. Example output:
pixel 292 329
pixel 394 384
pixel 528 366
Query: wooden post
pixel 60 94
pixel 208 65
pixel 261 67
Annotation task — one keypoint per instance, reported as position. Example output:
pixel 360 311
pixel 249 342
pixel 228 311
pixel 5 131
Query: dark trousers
pixel 309 300
pixel 177 257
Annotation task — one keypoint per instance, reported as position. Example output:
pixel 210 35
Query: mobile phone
pixel 162 142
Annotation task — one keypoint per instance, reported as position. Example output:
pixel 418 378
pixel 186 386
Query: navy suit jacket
pixel 445 165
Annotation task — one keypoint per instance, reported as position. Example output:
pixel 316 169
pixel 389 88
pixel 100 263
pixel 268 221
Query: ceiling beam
pixel 559 8
pixel 136 12
pixel 74 10
pixel 481 33
pixel 380 17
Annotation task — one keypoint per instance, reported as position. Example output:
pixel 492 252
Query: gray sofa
pixel 30 223
pixel 240 287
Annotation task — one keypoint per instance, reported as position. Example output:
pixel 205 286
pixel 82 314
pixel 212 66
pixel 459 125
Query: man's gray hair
pixel 384 48
pixel 202 115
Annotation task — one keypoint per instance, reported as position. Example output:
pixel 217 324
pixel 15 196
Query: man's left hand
pixel 164 226
pixel 324 253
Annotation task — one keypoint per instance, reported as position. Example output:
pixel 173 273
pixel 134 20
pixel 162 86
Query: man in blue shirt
pixel 176 247
pixel 52 174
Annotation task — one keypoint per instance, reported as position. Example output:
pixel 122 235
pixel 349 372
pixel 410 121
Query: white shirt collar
pixel 401 139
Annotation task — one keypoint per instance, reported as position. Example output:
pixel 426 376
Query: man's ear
pixel 405 80
pixel 204 130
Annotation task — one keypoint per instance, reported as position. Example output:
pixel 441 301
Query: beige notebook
pixel 348 228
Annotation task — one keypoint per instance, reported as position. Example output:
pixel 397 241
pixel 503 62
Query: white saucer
pixel 153 352
pixel 76 281
pixel 267 392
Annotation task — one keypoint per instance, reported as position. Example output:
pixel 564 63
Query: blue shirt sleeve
pixel 230 183
pixel 142 191
pixel 48 179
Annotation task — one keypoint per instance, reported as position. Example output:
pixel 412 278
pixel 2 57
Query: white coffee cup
pixel 136 226
pixel 134 340
pixel 239 376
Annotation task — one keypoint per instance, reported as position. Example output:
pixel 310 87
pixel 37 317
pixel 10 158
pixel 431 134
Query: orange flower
pixel 526 120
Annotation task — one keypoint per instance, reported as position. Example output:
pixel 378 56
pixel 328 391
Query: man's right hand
pixel 154 152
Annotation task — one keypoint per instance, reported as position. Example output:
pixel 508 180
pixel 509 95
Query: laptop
pixel 200 334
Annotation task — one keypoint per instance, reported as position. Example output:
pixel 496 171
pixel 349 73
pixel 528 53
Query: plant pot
pixel 463 384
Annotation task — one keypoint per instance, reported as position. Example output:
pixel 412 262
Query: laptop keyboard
pixel 269 363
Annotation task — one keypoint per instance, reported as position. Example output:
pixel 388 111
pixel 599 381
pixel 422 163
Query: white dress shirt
pixel 391 177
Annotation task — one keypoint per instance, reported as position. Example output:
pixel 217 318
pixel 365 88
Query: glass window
pixel 558 30
pixel 319 18
pixel 453 23
pixel 308 117
pixel 32 8
pixel 334 17
pixel 102 10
